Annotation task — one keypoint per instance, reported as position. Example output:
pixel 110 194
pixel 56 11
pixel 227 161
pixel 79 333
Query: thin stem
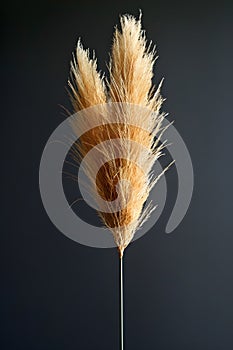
pixel 121 304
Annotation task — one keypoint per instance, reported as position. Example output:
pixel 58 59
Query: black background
pixel 57 294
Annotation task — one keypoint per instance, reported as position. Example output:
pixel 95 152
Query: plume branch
pixel 86 84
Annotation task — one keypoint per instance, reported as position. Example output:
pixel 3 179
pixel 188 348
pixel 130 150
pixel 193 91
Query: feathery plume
pixel 119 149
pixel 135 116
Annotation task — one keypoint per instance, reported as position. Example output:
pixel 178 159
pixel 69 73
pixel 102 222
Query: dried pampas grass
pixel 126 138
pixel 130 84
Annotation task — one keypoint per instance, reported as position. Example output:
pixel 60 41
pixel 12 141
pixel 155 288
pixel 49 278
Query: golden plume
pixel 135 117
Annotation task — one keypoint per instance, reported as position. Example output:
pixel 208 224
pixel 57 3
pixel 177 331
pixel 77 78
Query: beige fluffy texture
pixel 129 89
pixel 131 66
pixel 86 85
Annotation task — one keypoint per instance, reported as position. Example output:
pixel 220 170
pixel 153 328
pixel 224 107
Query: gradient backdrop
pixel 59 295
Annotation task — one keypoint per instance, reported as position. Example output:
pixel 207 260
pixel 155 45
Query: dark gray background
pixel 57 294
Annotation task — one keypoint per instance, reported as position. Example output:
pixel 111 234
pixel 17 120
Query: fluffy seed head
pixel 125 174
